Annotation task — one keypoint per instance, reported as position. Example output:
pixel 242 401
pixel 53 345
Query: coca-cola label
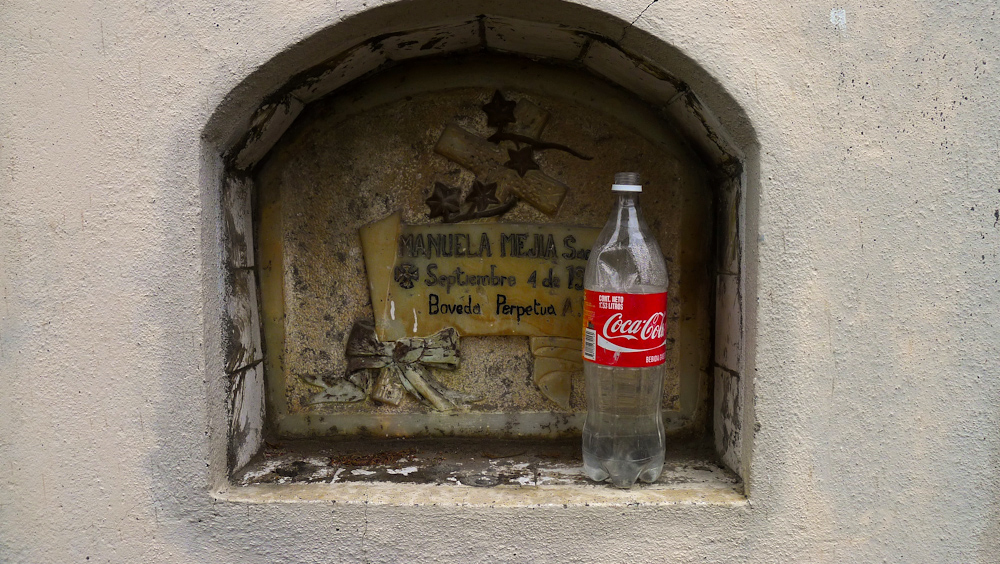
pixel 628 330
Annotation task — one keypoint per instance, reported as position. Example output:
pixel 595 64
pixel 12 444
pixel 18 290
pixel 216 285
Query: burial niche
pixel 421 240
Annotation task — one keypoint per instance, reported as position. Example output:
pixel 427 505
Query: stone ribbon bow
pixel 403 366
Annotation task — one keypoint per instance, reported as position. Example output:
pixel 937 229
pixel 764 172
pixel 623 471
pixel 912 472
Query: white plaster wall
pixel 876 349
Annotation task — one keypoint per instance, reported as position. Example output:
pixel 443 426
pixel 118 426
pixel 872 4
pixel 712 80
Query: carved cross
pixel 489 161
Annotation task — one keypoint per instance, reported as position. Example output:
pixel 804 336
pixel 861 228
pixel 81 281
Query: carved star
pixel 521 160
pixel 443 201
pixel 499 111
pixel 482 195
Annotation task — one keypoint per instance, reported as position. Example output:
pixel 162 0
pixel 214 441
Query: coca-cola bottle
pixel 624 328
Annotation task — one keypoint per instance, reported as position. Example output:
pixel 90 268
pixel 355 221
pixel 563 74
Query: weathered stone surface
pixel 613 64
pixel 509 471
pixel 728 421
pixel 446 38
pixel 535 39
pixel 268 125
pixel 241 326
pixel 693 119
pixel 728 323
pixel 246 422
pixel 339 70
pixel 729 227
pixel 237 222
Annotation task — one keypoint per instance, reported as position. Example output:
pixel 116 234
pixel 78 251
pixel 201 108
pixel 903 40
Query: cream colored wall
pixel 876 338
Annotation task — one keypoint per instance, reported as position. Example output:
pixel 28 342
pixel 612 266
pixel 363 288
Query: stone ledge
pixel 469 472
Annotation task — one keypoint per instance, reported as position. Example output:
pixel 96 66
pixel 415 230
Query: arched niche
pixel 376 61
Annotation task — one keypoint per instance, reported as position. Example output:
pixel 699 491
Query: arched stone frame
pixel 256 114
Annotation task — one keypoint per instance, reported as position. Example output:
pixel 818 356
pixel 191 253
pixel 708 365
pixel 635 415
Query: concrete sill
pixel 469 472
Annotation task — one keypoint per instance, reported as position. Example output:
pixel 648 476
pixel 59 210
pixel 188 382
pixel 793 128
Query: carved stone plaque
pixel 422 241
pixel 481 279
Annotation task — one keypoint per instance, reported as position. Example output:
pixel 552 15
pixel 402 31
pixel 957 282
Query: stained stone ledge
pixel 469 472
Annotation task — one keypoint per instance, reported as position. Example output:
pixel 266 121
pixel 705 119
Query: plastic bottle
pixel 625 305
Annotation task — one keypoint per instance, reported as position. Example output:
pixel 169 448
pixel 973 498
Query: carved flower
pixel 521 160
pixel 443 201
pixel 482 195
pixel 405 274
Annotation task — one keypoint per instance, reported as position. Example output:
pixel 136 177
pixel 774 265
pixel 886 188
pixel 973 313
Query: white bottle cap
pixel 626 182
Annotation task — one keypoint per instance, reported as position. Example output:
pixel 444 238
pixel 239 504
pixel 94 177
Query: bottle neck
pixel 627 209
pixel 626 217
pixel 628 199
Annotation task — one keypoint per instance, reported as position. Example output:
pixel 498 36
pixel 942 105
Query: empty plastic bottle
pixel 625 307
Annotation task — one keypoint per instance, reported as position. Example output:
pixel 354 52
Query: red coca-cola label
pixel 628 330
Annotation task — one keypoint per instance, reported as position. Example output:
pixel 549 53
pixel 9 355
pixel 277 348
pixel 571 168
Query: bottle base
pixel 623 473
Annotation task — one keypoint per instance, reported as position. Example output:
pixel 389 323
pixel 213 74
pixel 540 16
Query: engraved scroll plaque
pixel 481 279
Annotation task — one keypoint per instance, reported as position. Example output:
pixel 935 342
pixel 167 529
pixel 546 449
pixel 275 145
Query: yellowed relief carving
pixel 505 160
pixel 447 279
pixel 469 279
pixel 457 172
pixel 386 370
